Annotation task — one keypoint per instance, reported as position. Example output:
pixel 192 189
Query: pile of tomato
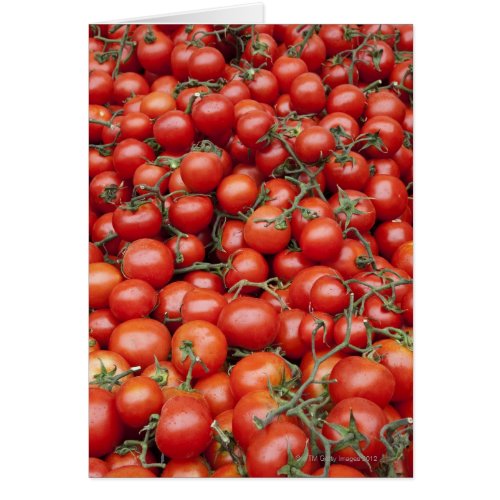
pixel 251 250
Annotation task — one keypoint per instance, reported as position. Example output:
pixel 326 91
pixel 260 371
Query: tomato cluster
pixel 251 250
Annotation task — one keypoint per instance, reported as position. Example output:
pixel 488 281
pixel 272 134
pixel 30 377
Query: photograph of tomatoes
pixel 251 250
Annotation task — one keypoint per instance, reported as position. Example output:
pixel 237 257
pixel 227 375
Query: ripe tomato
pixel 286 69
pixel 260 231
pixel 369 420
pixel 254 372
pixel 403 257
pixel 355 208
pixel 105 426
pixel 269 450
pixel 289 338
pixel 246 264
pixel 300 289
pixel 287 263
pixel 329 295
pixel 137 399
pixel 183 430
pixel 399 361
pixel 321 325
pixel 207 343
pixel 346 98
pixel 391 235
pixel 357 332
pixel 349 173
pixel 368 69
pixel 321 239
pixel 385 103
pixel 213 114
pixel 313 144
pixel 356 376
pixel 148 260
pixel 388 132
pixel 216 390
pixel 201 172
pixel 131 299
pixel 136 125
pixel 103 278
pixel 237 193
pixel 347 262
pixel 389 196
pixel 316 389
pixel 335 39
pixel 97 467
pixel 307 94
pixel 206 63
pixel 191 214
pixel 249 323
pixel 140 340
pixel 130 471
pixel 108 361
pixel 140 221
pixel 263 87
pixel 190 467
pixel 252 127
pixel 174 131
pixel 130 154
pixel 315 207
pixel 107 191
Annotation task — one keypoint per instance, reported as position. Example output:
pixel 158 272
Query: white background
pixel 43 267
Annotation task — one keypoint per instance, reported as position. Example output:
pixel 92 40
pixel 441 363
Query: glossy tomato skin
pixel 102 322
pixel 357 336
pixel 237 193
pixel 203 305
pixel 369 419
pixel 321 239
pixel 208 343
pixel 137 399
pixel 268 451
pixel 260 231
pixel 253 372
pixel 287 263
pixel 174 131
pixel 170 299
pixel 97 467
pixel 391 234
pixel 348 99
pixel 289 333
pixel 249 323
pixel 368 71
pixel 315 389
pixel 103 277
pixel 132 224
pixel 213 115
pixel 351 174
pixel 398 359
pixel 140 340
pixel 246 264
pixel 148 260
pixel 216 390
pixel 105 426
pixel 255 404
pixel 190 467
pixel 300 289
pixel 130 471
pixel 307 93
pixel 329 295
pixel 403 257
pixel 183 430
pixel 389 196
pixel 191 214
pixel 363 221
pixel 361 377
pixel 390 133
pixel 129 154
pixel 131 299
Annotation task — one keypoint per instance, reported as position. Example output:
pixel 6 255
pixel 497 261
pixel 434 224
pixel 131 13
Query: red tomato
pixel 369 420
pixel 307 94
pixel 131 299
pixel 321 239
pixel 399 361
pixel 137 399
pixel 207 343
pixel 356 376
pixel 190 467
pixel 329 295
pixel 313 144
pixel 140 340
pixel 315 389
pixel 389 196
pixel 255 371
pixel 246 264
pixel 261 232
pixel 237 193
pixel 216 390
pixel 174 131
pixel 183 430
pixel 348 99
pixel 269 450
pixel 105 426
pixel 249 323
